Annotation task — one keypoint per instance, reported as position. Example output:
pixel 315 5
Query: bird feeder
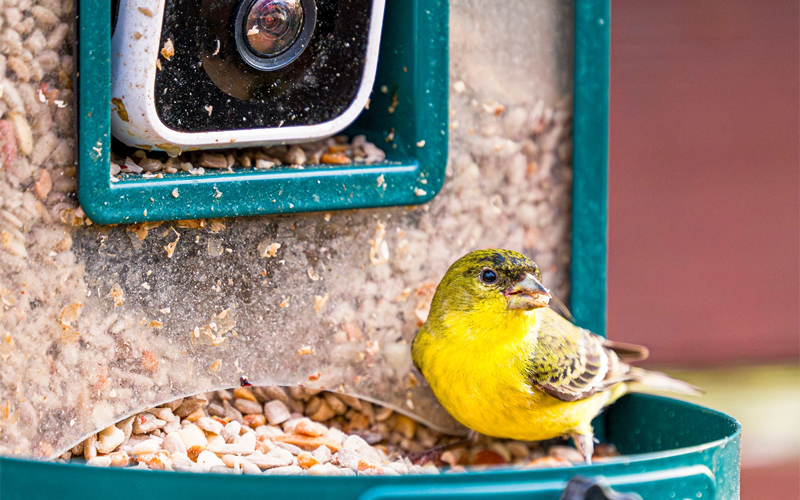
pixel 174 280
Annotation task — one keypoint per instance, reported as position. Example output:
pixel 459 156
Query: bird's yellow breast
pixel 478 366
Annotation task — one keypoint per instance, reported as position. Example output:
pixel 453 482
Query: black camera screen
pixel 212 83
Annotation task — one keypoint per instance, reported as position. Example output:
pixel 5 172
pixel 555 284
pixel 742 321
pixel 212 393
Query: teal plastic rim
pixel 413 62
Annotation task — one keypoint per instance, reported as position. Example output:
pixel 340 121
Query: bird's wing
pixel 627 352
pixel 570 363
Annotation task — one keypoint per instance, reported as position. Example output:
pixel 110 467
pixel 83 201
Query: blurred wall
pixel 704 236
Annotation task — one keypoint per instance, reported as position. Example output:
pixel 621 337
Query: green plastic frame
pixel 413 61
pixel 588 265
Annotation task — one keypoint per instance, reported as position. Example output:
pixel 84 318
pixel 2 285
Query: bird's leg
pixel 435 452
pixel 585 444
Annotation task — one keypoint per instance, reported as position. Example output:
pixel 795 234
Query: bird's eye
pixel 488 276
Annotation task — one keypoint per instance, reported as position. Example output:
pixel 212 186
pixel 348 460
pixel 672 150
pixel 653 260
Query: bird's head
pixel 494 281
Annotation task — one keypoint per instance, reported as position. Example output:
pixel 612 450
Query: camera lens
pixel 271 26
pixel 272 33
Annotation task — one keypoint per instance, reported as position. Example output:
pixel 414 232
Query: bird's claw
pixel 433 455
pixel 585 445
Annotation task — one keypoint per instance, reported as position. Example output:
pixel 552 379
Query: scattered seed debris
pixel 70 313
pixel 168 50
pixel 117 294
pixel 373 347
pixel 320 301
pixel 266 249
pixel 379 249
pixel 170 247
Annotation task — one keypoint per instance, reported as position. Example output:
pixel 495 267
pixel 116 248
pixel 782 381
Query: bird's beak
pixel 528 293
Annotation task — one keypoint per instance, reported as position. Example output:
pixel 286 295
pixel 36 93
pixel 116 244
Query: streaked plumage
pixel 504 364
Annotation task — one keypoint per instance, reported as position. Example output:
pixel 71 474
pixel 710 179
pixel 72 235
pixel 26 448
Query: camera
pixel 197 74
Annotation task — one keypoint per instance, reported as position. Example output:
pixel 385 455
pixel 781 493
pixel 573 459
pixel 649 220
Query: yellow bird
pixel 504 364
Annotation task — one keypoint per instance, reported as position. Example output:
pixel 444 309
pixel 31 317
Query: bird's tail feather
pixel 650 381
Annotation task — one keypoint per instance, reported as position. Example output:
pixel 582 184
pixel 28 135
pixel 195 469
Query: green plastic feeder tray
pixel 671 449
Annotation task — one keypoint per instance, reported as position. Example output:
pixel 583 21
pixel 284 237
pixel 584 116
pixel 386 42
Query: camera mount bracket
pixel 413 61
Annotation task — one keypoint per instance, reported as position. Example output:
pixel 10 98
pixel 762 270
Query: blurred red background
pixel 704 195
pixel 704 200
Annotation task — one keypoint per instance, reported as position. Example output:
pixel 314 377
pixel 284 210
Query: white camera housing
pixel 136 57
